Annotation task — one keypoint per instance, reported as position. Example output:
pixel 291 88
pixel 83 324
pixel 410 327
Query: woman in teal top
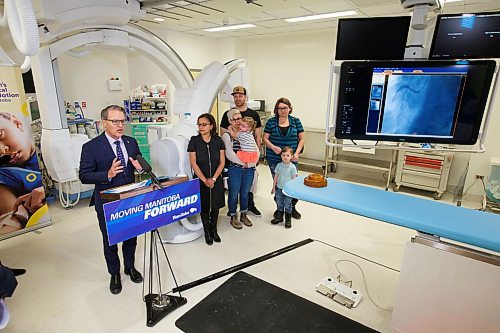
pixel 283 130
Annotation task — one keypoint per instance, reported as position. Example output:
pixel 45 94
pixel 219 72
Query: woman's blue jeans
pixel 239 182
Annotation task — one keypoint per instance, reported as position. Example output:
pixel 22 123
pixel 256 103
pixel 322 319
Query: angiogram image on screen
pixel 421 105
pixel 377 91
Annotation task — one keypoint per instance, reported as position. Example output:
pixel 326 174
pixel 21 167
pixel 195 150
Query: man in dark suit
pixel 109 161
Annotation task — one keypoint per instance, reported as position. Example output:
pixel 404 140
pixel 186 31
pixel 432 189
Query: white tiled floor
pixel 66 286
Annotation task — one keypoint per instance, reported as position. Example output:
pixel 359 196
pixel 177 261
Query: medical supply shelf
pixel 423 170
pixel 333 159
pixel 139 131
pixel 145 109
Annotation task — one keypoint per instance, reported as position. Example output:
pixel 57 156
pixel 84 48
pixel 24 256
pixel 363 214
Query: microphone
pixel 147 168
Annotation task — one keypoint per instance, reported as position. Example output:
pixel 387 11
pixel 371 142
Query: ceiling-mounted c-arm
pixel 55 134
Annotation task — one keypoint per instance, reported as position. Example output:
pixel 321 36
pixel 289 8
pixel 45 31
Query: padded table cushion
pixel 460 224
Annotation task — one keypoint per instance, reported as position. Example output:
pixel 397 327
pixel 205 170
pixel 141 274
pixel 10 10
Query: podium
pixel 132 210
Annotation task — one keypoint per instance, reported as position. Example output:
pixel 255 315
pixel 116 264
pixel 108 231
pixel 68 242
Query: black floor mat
pixel 245 303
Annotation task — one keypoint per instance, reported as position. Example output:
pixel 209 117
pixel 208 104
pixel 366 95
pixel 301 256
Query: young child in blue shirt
pixel 284 172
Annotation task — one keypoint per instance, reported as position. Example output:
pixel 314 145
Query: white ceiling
pixel 192 16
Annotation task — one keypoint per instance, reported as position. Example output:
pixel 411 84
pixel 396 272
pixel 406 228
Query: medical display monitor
pixel 466 36
pixel 417 101
pixel 377 38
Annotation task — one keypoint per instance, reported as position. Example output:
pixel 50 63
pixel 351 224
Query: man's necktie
pixel 119 155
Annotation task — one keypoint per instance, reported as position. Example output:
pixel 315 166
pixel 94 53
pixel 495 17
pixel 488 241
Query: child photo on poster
pixel 21 189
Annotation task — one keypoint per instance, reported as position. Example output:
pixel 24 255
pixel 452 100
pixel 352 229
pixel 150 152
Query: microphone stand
pixel 146 167
pixel 158 305
pixel 155 180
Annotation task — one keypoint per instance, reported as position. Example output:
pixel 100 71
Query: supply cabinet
pixel 139 131
pixel 147 109
pixel 423 170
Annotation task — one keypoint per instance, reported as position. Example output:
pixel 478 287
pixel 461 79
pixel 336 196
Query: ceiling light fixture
pixel 231 27
pixel 159 19
pixel 320 16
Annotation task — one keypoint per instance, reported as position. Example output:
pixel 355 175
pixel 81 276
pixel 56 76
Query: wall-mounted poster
pixel 22 196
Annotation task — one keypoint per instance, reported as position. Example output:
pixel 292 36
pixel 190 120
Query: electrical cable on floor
pixel 494 205
pixel 279 252
pixel 66 201
pixel 483 207
pixel 357 255
pixel 241 266
pixel 468 188
pixel 362 273
pixel 364 282
pixel 484 186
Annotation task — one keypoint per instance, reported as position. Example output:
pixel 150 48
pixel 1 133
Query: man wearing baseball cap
pixel 240 101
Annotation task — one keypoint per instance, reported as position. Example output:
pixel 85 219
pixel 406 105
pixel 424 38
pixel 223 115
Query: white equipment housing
pixel 169 155
pixel 66 25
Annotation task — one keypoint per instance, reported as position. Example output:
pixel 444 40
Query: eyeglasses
pixel 203 125
pixel 117 122
pixel 237 119
pixel 283 108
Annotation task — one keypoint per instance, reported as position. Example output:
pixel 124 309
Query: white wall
pixel 142 70
pixel 296 67
pixel 196 51
pixel 85 79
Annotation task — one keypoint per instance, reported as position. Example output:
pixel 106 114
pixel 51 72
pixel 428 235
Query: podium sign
pixel 133 216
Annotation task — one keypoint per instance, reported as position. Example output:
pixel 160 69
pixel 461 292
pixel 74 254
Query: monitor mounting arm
pixel 420 8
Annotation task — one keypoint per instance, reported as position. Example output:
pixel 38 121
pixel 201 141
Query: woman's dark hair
pixel 211 120
pixel 283 100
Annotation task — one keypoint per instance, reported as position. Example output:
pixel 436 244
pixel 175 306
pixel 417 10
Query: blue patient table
pixel 464 225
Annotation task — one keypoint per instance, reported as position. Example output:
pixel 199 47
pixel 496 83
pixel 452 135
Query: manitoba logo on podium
pixel 134 216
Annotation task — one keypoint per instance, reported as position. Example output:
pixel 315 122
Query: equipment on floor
pixel 245 303
pixel 339 292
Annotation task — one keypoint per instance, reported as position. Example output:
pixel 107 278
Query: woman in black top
pixel 206 155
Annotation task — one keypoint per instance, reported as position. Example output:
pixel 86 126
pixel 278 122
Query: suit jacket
pixel 97 157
